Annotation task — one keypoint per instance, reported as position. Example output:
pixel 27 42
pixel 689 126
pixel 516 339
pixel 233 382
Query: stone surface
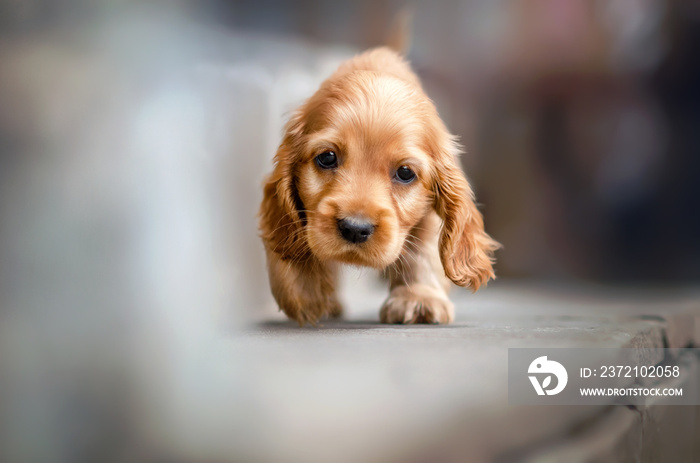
pixel 369 392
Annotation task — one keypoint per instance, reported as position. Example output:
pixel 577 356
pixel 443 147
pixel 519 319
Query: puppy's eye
pixel 404 174
pixel 327 160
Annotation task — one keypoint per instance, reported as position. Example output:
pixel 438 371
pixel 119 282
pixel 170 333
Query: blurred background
pixel 134 137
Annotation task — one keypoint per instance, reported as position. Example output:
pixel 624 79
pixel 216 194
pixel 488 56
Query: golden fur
pixel 373 113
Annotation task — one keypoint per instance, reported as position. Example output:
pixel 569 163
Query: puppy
pixel 368 175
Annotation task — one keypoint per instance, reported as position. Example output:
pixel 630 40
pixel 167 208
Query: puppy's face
pixel 363 176
pixel 361 163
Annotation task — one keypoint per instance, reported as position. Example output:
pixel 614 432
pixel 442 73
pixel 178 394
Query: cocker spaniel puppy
pixel 367 174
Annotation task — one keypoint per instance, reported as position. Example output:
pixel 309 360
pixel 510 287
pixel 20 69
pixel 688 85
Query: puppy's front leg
pixel 418 283
pixel 304 290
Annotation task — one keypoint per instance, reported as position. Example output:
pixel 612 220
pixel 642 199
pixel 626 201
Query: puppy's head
pixel 361 163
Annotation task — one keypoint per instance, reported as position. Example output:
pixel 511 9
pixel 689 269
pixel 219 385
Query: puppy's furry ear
pixel 281 212
pixel 466 251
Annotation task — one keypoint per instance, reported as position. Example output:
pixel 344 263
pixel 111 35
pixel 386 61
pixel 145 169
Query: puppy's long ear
pixel 281 212
pixel 466 251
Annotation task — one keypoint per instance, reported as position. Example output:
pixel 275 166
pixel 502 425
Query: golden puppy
pixel 367 174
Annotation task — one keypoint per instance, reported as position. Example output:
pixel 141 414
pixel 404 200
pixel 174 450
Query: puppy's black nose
pixel 355 230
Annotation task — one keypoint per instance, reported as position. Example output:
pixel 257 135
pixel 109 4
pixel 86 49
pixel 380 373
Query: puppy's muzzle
pixel 355 230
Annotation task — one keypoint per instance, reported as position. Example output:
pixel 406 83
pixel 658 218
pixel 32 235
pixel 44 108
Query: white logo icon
pixel 542 365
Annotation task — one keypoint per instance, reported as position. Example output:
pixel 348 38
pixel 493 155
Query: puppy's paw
pixel 311 311
pixel 417 304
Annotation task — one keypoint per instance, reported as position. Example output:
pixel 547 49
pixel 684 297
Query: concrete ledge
pixel 369 392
